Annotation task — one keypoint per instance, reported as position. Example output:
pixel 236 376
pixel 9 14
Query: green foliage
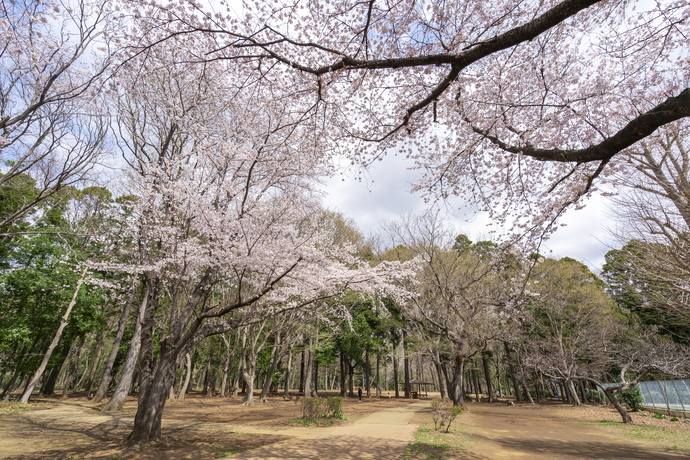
pixel 659 416
pixel 596 396
pixel 632 398
pixel 674 419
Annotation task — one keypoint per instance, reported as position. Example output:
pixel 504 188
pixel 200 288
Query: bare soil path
pixel 381 435
pixel 496 431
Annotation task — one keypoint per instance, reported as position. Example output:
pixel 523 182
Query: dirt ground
pixel 553 431
pixel 195 428
pixel 202 428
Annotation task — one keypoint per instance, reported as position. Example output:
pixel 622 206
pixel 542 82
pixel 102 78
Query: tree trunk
pixel 315 379
pixel 48 385
pixel 63 322
pixel 249 374
pixel 147 422
pixel 105 380
pixel 572 393
pixel 378 375
pixel 511 369
pixel 395 375
pixel 619 407
pixel 286 393
pixel 343 374
pixel 146 365
pixel 408 389
pixel 458 392
pixel 275 357
pixel 367 373
pixel 477 386
pixel 72 370
pixel 124 385
pixel 187 377
pixel 98 352
pixel 487 377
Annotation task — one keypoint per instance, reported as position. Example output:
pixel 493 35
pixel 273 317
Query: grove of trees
pixel 161 228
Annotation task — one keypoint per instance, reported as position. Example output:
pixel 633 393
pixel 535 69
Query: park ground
pixel 205 428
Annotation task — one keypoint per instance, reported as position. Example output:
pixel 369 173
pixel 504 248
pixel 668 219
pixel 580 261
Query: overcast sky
pixel 385 195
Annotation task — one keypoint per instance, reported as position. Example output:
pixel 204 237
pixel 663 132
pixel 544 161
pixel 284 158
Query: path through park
pixel 381 435
pixel 488 432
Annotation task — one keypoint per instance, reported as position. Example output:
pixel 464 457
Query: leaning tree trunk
pixel 105 380
pixel 123 386
pixel 619 407
pixel 63 323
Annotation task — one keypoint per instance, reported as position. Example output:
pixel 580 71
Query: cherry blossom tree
pixel 517 106
pixel 227 226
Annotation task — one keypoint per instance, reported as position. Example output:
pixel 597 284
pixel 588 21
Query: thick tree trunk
pixel 125 383
pixel 315 378
pixel 572 393
pixel 105 380
pixel 458 392
pixel 249 374
pixel 619 407
pixel 63 323
pixel 443 385
pixel 147 422
pixel 146 365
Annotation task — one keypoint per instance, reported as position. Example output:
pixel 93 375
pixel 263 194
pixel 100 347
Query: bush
pixel 314 408
pixel 311 407
pixel 596 396
pixel 444 412
pixel 659 416
pixel 631 398
pixel 334 405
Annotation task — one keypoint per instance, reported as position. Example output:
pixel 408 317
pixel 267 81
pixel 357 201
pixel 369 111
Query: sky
pixel 384 194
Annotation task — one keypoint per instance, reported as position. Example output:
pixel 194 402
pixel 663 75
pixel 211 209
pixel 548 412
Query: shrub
pixel 596 396
pixel 674 419
pixel 444 412
pixel 334 407
pixel 659 416
pixel 632 398
pixel 311 407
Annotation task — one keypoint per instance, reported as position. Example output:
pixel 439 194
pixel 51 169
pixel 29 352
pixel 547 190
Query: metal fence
pixel 666 394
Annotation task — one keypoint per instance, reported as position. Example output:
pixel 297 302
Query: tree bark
pixel 124 385
pixel 275 357
pixel 187 377
pixel 458 392
pixel 105 380
pixel 72 370
pixel 286 393
pixel 147 422
pixel 619 407
pixel 63 323
pixel 487 377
